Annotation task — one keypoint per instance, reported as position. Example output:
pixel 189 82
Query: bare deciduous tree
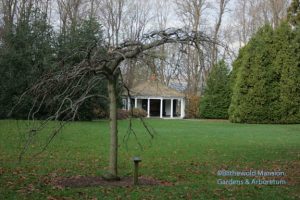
pixel 136 18
pixel 9 10
pixel 221 10
pixel 249 16
pixel 111 15
pixel 191 12
pixel 69 13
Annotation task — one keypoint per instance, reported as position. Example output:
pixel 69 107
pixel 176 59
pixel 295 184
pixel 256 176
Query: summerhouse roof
pixel 154 89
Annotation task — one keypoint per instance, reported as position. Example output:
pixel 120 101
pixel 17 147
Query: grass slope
pixel 188 153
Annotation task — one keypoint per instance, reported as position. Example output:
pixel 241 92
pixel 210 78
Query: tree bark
pixel 113 153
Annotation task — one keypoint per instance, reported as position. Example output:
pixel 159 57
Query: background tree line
pixel 37 35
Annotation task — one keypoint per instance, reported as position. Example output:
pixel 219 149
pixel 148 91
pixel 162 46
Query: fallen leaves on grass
pixel 29 189
pixel 58 198
pixel 86 181
pixel 1 171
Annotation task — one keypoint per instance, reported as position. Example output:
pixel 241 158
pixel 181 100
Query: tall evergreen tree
pixel 76 40
pixel 254 74
pixel 215 102
pixel 266 78
pixel 237 84
pixel 72 47
pixel 27 51
pixel 288 62
pixel 294 13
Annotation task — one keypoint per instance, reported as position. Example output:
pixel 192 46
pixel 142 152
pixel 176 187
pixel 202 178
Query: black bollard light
pixel 136 161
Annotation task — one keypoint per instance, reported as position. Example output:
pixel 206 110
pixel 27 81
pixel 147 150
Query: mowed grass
pixel 187 153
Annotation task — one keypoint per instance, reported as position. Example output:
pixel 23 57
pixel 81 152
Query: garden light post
pixel 136 161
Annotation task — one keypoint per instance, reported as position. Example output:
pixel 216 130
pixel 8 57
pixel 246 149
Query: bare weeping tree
pixel 65 88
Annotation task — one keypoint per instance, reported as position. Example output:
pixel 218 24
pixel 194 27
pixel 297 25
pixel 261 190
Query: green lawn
pixel 186 152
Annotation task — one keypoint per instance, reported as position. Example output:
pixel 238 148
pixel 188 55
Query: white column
pixel 171 108
pixel 148 108
pixel 135 102
pixel 182 107
pixel 161 108
pixel 128 104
